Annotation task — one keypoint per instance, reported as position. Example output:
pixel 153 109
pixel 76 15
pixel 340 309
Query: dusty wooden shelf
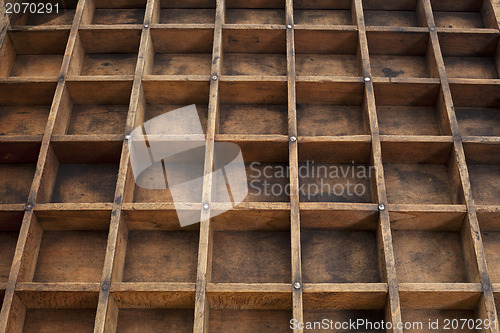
pixel 401 98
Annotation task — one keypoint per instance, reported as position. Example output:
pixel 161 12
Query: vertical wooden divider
pixel 201 310
pixel 12 308
pixel 107 310
pixel 472 235
pixel 384 235
pixel 298 313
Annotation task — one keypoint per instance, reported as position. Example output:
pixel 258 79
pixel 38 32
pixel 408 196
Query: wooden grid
pixel 407 87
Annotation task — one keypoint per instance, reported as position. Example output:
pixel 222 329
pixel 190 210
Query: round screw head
pixel 128 137
pixel 28 207
pixel 293 139
pixel 289 26
pixel 381 207
pixel 206 206
pixel 296 285
pixel 105 286
pixel 367 79
pixel 432 28
pixel 215 78
pixel 146 25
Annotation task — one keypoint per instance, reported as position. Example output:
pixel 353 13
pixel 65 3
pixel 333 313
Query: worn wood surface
pixel 406 89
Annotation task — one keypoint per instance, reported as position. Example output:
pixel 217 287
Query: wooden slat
pixel 471 236
pixel 387 261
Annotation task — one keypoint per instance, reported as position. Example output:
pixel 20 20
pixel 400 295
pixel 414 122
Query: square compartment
pixel 253 108
pixel 331 109
pixel 251 253
pixel 477 108
pixel 322 12
pixel 411 109
pixel 254 52
pixel 10 224
pixel 181 51
pixel 468 14
pixel 255 12
pixel 101 52
pixel 39 311
pixel 327 53
pixel 339 171
pixel 158 249
pixel 93 108
pixel 351 303
pixel 154 102
pixel 430 253
pixel 48 13
pixel 116 12
pixel 249 312
pixel 491 243
pixel 25 107
pixel 80 172
pixel 17 168
pixel 450 308
pixel 396 54
pixel 470 55
pixel 483 162
pixel 66 247
pixel 421 173
pixel 187 12
pixel 266 166
pixel 33 54
pixel 405 13
pixel 354 244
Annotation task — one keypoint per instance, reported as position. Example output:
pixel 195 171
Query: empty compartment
pixel 253 108
pixel 187 12
pixel 477 108
pixel 483 163
pixel 255 12
pixel 323 12
pixel 246 251
pixel 157 248
pixel 248 312
pixel 470 55
pixel 402 13
pixel 332 171
pixel 181 51
pixel 10 224
pixel 53 311
pixel 25 107
pixel 47 13
pixel 327 53
pixel 331 109
pixel 444 310
pixel 401 54
pixel 115 12
pixel 267 172
pixel 254 52
pixel 105 52
pixel 347 309
pixel 69 246
pixel 80 172
pixel 154 103
pixel 411 109
pixel 433 251
pixel 17 168
pixel 491 243
pixel 93 107
pixel 421 173
pixel 153 311
pixel 353 243
pixel 30 54
pixel 467 14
